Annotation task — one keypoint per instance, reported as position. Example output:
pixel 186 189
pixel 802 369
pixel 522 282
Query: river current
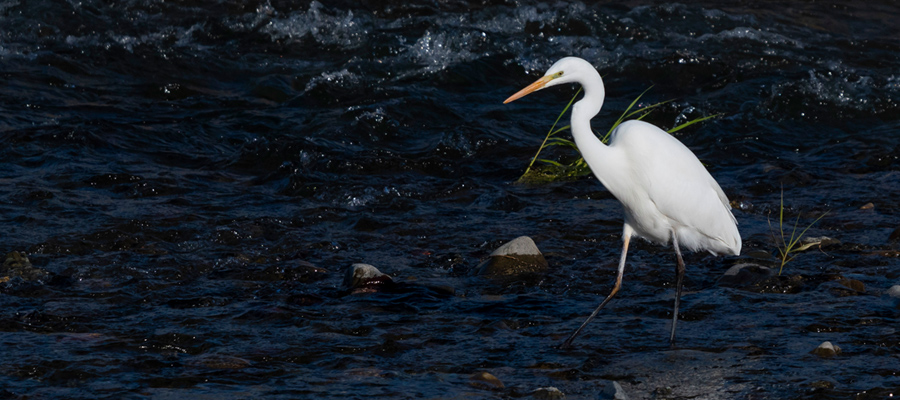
pixel 183 186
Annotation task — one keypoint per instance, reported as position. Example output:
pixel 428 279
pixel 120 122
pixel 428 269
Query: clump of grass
pixel 789 246
pixel 556 170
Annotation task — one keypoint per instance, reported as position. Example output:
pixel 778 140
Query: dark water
pixel 191 179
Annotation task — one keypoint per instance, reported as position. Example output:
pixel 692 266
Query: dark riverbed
pixel 190 180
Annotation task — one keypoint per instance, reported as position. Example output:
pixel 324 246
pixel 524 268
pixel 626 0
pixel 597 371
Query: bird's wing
pixel 682 190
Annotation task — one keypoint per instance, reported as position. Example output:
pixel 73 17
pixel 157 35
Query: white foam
pixel 753 34
pixel 338 29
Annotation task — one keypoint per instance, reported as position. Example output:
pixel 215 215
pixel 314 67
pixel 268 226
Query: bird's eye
pixel 558 74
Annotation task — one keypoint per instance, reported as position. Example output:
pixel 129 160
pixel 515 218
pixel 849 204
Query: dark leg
pixel 627 238
pixel 679 281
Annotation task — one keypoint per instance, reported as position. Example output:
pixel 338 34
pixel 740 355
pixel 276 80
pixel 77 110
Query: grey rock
pixel 360 277
pixel 612 391
pixel 826 349
pixel 894 291
pixel 522 245
pixel 548 393
pixel 517 258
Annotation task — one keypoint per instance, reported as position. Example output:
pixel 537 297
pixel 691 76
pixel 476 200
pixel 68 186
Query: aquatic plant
pixel 555 170
pixel 788 247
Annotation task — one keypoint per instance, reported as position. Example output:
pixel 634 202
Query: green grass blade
pixel 691 122
pixel 624 115
pixel 551 162
pixel 550 133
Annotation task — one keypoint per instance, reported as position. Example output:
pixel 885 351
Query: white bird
pixel 667 194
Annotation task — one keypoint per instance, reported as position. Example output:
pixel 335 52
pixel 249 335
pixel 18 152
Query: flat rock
pixel 519 257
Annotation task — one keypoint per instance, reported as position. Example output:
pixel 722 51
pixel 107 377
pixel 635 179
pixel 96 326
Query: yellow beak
pixel 537 85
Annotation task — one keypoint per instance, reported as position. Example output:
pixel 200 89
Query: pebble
pixel 517 258
pixel 826 349
pixel 548 393
pixel 485 380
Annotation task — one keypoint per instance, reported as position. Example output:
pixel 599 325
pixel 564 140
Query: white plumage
pixel 668 195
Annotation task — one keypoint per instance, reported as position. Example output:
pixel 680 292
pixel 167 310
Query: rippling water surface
pixel 190 181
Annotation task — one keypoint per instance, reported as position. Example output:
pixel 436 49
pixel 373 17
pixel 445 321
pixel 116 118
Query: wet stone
pixel 365 278
pixel 853 284
pixel 485 380
pixel 894 236
pixel 894 291
pixel 821 385
pixel 612 390
pixel 826 349
pixel 548 393
pixel 17 265
pixel 820 241
pixel 819 388
pixel 743 275
pixel 843 287
pixel 518 258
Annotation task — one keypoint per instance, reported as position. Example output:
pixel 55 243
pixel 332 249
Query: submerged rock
pixel 826 349
pixel 853 284
pixel 485 380
pixel 365 278
pixel 612 391
pixel 819 386
pixel 894 236
pixel 548 393
pixel 820 241
pixel 746 274
pixel 519 257
pixel 17 265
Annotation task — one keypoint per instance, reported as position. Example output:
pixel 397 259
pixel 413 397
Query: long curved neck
pixel 597 155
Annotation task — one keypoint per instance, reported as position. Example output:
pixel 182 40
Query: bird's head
pixel 566 70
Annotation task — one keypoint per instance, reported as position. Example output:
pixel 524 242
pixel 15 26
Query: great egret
pixel 667 193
